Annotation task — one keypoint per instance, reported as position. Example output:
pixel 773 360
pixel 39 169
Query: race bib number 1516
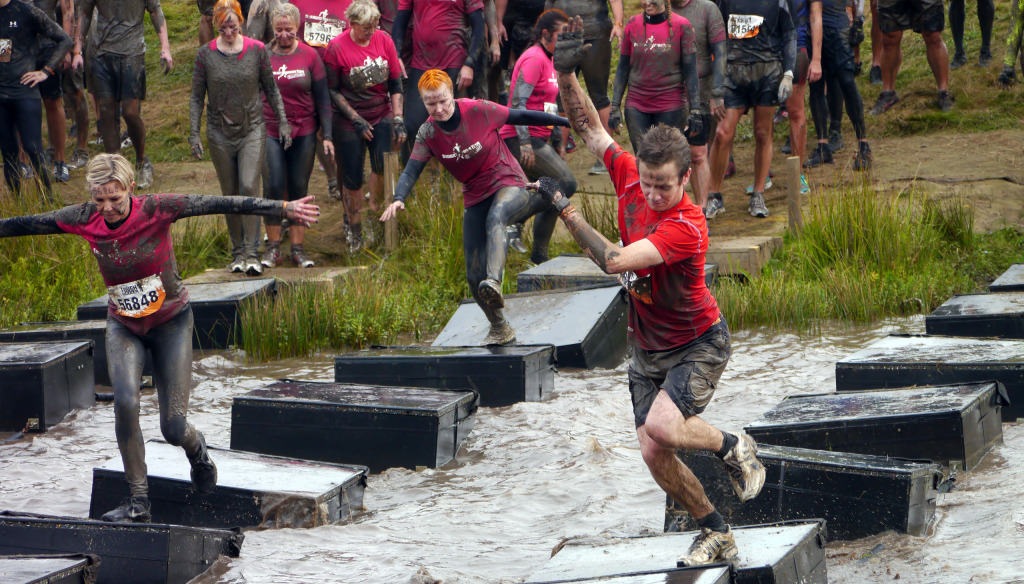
pixel 744 26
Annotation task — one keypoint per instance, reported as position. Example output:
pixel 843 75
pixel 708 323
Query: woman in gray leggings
pixel 130 237
pixel 231 72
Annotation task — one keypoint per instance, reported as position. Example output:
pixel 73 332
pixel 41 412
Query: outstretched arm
pixel 535 118
pixel 42 224
pixel 583 119
pixel 302 210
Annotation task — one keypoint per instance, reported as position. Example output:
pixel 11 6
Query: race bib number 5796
pixel 744 26
pixel 139 298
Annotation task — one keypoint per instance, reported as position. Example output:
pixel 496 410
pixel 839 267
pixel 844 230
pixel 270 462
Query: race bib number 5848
pixel 744 26
pixel 139 298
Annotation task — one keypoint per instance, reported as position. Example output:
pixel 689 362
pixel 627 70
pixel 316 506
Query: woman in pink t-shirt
pixel 148 308
pixel 463 135
pixel 301 78
pixel 534 87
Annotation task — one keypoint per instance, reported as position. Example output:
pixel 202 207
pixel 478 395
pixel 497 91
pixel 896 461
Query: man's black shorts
pixel 206 7
pixel 119 77
pixel 919 15
pixel 53 86
pixel 752 84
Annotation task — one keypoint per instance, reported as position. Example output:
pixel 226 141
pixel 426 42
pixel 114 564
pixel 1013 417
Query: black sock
pixel 728 441
pixel 713 521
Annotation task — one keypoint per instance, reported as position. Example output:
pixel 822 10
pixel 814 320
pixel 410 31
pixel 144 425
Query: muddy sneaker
pixel 253 266
pixel 299 257
pixel 515 240
pixel 886 100
pixel 60 172
pixel 144 174
pixel 781 115
pixel 944 100
pixel 334 192
pixel 131 510
pixel 272 257
pixel 27 173
pixel 78 159
pixel 730 169
pixel 490 292
pixel 355 238
pixel 715 206
pixel 875 75
pixel 709 547
pixel 787 148
pixel 984 58
pixel 237 266
pixel 835 141
pixel 500 334
pixel 757 206
pixel 598 168
pixel 767 185
pixel 745 471
pixel 126 140
pixel 959 60
pixel 821 154
pixel 1008 77
pixel 204 472
pixel 863 159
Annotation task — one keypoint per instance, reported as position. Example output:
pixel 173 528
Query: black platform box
pixel 574 271
pixel 378 427
pixel 253 490
pixel 1012 280
pixel 130 553
pixel 783 553
pixel 41 382
pixel 714 574
pixel 906 360
pixel 588 326
pixel 858 494
pixel 954 425
pixel 214 308
pixel 502 375
pixel 979 315
pixel 48 569
pixel 72 330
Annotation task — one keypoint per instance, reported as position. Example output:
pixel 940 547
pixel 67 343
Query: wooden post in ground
pixel 794 200
pixel 390 180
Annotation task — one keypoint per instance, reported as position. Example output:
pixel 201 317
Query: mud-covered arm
pixel 339 101
pixel 408 179
pixel 535 118
pixel 194 205
pixel 788 37
pixel 41 224
pixel 51 30
pixel 570 51
pixel 688 63
pixel 85 8
pixel 476 38
pixel 270 89
pixel 718 69
pixel 398 30
pixel 156 15
pixel 198 99
pixel 322 100
pixel 521 92
pixel 621 81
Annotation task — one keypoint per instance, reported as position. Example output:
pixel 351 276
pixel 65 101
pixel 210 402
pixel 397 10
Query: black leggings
pixel 350 148
pixel 484 239
pixel 286 173
pixel 837 64
pixel 171 346
pixel 957 16
pixel 638 122
pixel 415 111
pixel 21 118
pixel 546 162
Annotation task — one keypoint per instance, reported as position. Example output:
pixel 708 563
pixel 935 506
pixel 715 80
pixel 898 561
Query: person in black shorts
pixel 117 73
pixel 759 75
pixel 926 17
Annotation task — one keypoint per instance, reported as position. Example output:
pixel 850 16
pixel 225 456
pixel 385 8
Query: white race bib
pixel 139 298
pixel 744 26
pixel 319 34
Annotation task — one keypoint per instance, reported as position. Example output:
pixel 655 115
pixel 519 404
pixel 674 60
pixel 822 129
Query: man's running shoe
pixel 821 154
pixel 79 158
pixel 253 267
pixel 715 206
pixel 745 471
pixel 886 100
pixel 298 256
pixel 500 334
pixel 959 60
pixel 787 148
pixel 131 510
pixel 60 172
pixel 204 472
pixel 126 140
pixel 863 159
pixel 781 114
pixel 598 168
pixel 490 292
pixel 875 75
pixel 757 206
pixel 730 169
pixel 1008 77
pixel 944 100
pixel 144 174
pixel 272 257
pixel 767 185
pixel 835 140
pixel 237 266
pixel 984 58
pixel 709 547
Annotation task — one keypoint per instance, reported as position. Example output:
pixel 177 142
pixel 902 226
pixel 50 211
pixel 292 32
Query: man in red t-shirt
pixel 680 341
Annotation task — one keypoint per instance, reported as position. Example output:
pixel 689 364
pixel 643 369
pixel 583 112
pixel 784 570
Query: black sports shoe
pixel 958 60
pixel 835 141
pixel 821 154
pixel 886 100
pixel 984 58
pixel 204 472
pixel 875 75
pixel 863 159
pixel 1008 77
pixel 944 100
pixel 131 510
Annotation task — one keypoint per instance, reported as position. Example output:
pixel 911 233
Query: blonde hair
pixel 286 10
pixel 362 12
pixel 104 168
pixel 223 8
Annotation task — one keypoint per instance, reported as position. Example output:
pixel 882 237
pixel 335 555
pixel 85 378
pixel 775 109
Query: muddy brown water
pixel 533 474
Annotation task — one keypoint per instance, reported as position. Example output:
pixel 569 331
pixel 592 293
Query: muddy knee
pixel 126 417
pixel 175 430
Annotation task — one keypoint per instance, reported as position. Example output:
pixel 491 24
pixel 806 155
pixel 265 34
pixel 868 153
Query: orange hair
pixel 223 8
pixel 432 79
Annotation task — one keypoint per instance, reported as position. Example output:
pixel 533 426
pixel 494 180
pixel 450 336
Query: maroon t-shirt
pixel 322 20
pixel 437 41
pixel 364 73
pixel 681 308
pixel 294 75
pixel 474 153
pixel 655 72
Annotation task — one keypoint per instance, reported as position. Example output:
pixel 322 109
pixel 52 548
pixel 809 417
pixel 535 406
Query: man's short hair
pixel 662 144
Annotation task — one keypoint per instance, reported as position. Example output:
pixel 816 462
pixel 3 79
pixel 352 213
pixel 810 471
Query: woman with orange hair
pixel 230 73
pixel 463 135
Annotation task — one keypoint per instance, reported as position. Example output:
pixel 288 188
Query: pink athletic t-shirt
pixel 364 73
pixel 294 75
pixel 656 81
pixel 536 68
pixel 136 251
pixel 437 32
pixel 474 153
pixel 322 20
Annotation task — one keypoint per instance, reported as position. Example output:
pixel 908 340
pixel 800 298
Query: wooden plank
pixel 742 255
pixel 391 169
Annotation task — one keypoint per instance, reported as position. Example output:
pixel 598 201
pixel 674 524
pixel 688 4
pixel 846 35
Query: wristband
pixel 562 204
pixel 48 70
pixel 566 211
